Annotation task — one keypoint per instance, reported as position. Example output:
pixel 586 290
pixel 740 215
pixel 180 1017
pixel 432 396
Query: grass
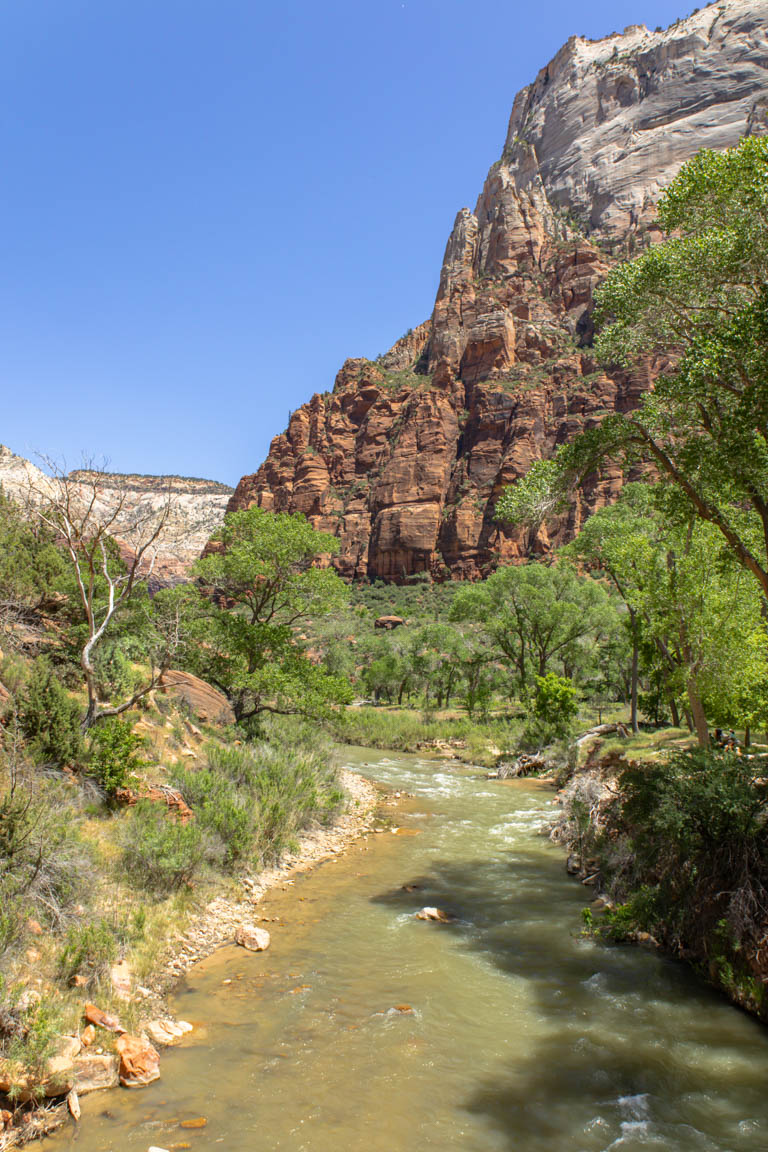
pixel 407 730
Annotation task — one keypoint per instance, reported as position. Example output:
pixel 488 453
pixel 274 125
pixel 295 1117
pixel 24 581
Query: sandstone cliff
pixel 195 507
pixel 406 457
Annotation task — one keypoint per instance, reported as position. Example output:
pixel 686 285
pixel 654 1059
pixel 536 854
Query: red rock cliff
pixel 406 457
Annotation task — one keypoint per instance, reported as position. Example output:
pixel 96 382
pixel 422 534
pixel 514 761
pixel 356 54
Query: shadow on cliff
pixel 619 1033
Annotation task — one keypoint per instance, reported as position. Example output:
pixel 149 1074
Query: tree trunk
pixel 699 716
pixel 635 662
pixel 674 712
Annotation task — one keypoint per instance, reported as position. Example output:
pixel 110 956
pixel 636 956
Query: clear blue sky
pixel 207 205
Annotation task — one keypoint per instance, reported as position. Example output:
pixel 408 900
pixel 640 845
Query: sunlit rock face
pixel 191 509
pixel 404 460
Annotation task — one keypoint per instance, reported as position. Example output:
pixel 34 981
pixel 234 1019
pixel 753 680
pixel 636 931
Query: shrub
pixel 28 1033
pixel 160 853
pixel 50 718
pixel 88 952
pixel 43 861
pixel 555 701
pixel 253 799
pixel 114 754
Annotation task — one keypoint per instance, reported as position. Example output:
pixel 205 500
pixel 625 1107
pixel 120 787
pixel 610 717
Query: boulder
pixel 167 1031
pixel 253 938
pixel 139 1061
pixel 94 1072
pixel 436 914
pixel 388 622
pixel 204 700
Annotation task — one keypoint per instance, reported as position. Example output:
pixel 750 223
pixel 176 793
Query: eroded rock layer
pixel 404 460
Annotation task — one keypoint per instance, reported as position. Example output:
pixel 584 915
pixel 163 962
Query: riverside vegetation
pixel 119 811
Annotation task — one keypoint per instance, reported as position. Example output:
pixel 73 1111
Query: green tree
pixel 261 582
pixel 537 616
pixel 696 308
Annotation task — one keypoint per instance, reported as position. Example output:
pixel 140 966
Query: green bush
pixel 555 701
pixel 88 952
pixel 114 754
pixel 28 1033
pixel 160 853
pixel 44 863
pixel 50 719
pixel 685 851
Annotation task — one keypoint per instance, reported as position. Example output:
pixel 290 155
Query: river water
pixel 520 1035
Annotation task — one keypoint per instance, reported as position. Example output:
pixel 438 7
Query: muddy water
pixel 363 1029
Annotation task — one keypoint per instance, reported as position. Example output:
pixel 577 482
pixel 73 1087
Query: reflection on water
pixel 363 1029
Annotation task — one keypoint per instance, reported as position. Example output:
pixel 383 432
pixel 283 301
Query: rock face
pixel 404 460
pixel 196 507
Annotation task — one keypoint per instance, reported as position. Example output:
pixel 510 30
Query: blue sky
pixel 207 205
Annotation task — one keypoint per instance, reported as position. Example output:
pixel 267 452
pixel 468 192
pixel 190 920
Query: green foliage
pixel 264 583
pixel 162 854
pixel 252 800
pixel 539 618
pixel 88 952
pixel 704 295
pixel 555 701
pixel 686 853
pixel 50 718
pixel 28 1034
pixel 114 754
pixel 31 566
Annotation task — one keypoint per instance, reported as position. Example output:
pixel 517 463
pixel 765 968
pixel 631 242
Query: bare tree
pixel 112 548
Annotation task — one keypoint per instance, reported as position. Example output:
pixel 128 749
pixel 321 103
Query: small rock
pixel 436 914
pixel 253 938
pixel 403 1008
pixel 101 1019
pixel 73 1104
pixel 197 1122
pixel 139 1061
pixel 88 1035
pixel 573 864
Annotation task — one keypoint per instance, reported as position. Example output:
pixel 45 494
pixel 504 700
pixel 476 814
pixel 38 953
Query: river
pixel 363 1029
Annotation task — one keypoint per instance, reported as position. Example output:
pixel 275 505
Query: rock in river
pixel 253 938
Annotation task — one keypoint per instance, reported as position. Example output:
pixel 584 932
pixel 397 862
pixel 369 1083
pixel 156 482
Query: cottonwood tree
pixel 261 583
pixel 696 305
pixel 111 550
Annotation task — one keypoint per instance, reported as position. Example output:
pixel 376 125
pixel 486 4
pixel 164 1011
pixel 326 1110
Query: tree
pixel 696 307
pixel 609 541
pixel 537 615
pixel 259 584
pixel 84 515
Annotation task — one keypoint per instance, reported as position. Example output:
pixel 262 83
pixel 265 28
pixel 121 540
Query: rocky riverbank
pixel 85 1062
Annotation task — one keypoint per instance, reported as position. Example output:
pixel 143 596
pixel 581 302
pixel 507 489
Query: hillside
pixel 405 458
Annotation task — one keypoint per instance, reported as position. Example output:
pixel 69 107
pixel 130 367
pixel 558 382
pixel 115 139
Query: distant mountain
pixel 196 506
pixel 404 460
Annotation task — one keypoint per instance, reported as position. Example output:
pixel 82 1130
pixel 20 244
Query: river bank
pixel 504 1027
pixel 206 930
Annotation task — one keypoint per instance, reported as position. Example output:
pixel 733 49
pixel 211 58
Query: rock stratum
pixel 195 508
pixel 404 460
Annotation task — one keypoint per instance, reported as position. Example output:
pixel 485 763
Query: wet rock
pixel 436 914
pixel 73 1104
pixel 196 1122
pixel 573 864
pixel 167 1031
pixel 102 1019
pixel 139 1061
pixel 253 938
pixel 93 1072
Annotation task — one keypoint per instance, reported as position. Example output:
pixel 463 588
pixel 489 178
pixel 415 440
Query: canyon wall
pixel 405 459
